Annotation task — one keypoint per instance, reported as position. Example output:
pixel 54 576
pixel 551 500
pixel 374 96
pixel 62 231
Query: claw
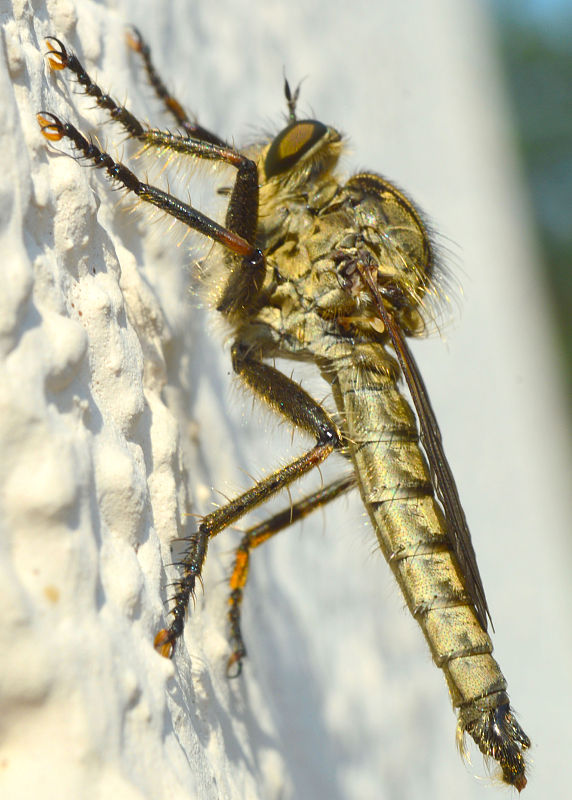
pixel 134 39
pixel 52 128
pixel 234 664
pixel 57 59
pixel 164 644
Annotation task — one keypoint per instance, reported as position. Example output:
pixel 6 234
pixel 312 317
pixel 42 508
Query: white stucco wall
pixel 117 416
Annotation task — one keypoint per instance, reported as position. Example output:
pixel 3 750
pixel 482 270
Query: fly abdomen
pixel 396 488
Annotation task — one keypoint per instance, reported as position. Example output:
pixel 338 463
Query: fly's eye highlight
pixel 291 144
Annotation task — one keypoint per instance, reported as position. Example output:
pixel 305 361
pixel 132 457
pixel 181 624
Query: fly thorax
pixel 391 243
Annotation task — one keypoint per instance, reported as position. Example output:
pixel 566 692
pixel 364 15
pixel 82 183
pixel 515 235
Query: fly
pixel 337 274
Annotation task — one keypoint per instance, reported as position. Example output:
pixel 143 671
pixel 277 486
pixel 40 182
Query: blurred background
pixel 535 44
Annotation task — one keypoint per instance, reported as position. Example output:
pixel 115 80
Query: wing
pixel 441 475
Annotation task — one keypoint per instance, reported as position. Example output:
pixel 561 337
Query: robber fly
pixel 337 274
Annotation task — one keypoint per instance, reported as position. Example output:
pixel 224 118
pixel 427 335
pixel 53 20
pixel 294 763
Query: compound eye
pixel 291 144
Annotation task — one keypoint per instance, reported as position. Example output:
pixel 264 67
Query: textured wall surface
pixel 118 420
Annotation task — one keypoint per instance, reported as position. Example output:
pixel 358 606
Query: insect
pixel 337 274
